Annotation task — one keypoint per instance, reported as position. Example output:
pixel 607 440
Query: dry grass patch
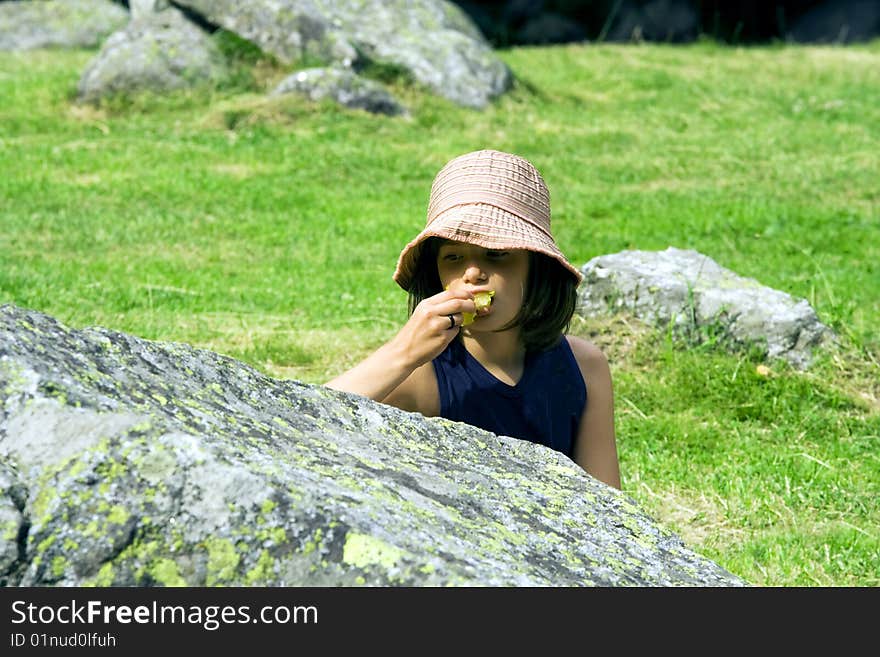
pixel 617 336
pixel 858 375
pixel 250 110
pixel 278 347
pixel 700 518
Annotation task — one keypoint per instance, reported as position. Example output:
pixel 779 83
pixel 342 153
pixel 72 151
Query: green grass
pixel 269 229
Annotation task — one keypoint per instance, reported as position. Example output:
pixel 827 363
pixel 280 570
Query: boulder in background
pixel 157 51
pixel 58 23
pixel 690 291
pixel 432 39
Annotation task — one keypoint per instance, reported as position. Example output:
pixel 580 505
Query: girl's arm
pixel 422 338
pixel 596 448
pixel 379 374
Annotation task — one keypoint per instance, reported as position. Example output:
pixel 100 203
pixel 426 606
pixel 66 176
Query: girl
pixel 506 367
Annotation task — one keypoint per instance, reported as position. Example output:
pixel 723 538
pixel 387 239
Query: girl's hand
pixel 429 328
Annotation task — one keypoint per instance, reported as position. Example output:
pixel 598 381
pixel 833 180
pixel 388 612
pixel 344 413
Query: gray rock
pixel 432 39
pixel 157 51
pixel 291 30
pixel 129 462
pixel 142 8
pixel 691 291
pixel 58 23
pixel 12 520
pixel 343 86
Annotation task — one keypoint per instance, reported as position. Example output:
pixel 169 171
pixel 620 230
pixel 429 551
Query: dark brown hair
pixel 548 304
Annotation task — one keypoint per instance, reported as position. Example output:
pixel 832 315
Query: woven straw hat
pixel 491 199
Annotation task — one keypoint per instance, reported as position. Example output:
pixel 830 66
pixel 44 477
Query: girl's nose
pixel 474 274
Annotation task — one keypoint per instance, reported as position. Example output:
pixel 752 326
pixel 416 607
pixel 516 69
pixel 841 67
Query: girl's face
pixel 462 265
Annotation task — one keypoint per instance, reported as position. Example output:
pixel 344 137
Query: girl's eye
pixel 497 254
pixel 449 257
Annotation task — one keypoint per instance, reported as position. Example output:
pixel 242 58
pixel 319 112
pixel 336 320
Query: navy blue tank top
pixel 545 406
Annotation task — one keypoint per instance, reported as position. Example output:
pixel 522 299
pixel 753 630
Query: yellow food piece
pixel 481 300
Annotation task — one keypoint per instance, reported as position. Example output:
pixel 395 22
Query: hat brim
pixel 483 225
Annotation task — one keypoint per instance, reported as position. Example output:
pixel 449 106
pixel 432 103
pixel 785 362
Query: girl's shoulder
pixel 588 356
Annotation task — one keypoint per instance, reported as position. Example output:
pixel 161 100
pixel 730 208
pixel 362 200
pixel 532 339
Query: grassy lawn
pixel 268 230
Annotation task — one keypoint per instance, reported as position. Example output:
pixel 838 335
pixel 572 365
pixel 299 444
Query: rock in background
pixel 156 51
pixel 168 45
pixel 129 463
pixel 690 292
pixel 343 86
pixel 434 40
pixel 58 23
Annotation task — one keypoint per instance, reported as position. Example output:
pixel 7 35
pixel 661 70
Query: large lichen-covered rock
pixel 12 521
pixel 693 293
pixel 129 462
pixel 58 23
pixel 434 40
pixel 156 51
